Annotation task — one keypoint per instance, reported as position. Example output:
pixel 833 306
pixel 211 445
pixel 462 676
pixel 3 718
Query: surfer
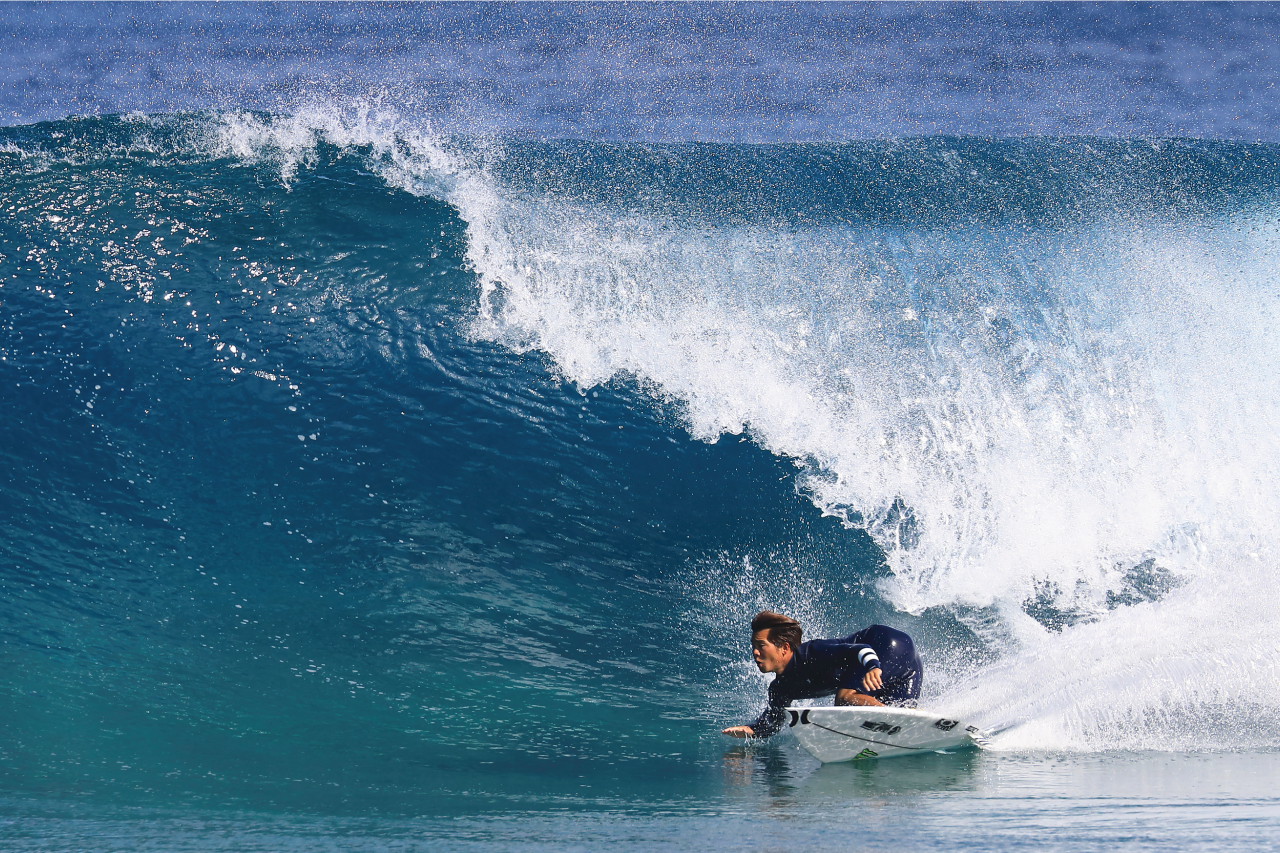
pixel 876 666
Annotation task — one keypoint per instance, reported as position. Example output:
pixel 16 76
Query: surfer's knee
pixel 847 696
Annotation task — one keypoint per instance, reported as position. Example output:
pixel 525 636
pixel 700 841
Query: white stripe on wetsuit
pixel 868 655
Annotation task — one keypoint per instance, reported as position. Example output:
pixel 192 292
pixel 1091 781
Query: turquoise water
pixel 394 473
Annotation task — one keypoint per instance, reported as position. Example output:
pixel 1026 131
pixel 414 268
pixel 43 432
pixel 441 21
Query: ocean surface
pixel 406 407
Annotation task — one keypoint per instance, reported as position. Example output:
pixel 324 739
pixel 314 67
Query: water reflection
pixel 779 776
pixel 770 769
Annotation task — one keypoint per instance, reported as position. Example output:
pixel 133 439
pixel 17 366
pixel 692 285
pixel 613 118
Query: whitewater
pixel 402 430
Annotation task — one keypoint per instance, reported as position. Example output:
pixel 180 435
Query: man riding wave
pixel 876 666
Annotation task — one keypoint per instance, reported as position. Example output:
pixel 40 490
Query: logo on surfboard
pixel 882 728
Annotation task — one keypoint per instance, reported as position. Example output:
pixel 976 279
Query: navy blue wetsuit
pixel 821 667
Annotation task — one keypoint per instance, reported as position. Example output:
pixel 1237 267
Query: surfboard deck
pixel 856 733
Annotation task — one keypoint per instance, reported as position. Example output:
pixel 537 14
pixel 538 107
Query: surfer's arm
pixel 765 725
pixel 858 660
pixel 871 682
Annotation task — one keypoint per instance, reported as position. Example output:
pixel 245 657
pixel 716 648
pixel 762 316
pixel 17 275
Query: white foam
pixel 1088 437
pixel 1199 670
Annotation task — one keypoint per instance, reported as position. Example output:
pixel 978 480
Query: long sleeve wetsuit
pixel 821 667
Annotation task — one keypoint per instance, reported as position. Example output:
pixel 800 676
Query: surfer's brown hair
pixel 782 629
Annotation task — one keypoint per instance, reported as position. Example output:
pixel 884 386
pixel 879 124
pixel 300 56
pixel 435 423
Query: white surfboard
pixel 858 732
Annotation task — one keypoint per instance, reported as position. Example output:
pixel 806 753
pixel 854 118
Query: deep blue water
pixel 407 407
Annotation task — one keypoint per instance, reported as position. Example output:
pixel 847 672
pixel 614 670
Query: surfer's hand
pixel 871 681
pixel 739 731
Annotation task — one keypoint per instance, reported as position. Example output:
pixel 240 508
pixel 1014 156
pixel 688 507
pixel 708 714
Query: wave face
pixel 353 466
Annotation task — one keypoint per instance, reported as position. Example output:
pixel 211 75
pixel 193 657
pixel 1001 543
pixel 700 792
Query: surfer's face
pixel 769 658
